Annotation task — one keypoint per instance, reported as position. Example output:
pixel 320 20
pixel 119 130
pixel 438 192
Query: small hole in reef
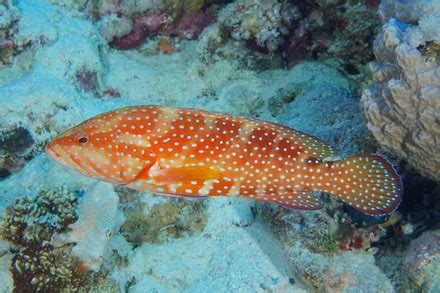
pixel 351 69
pixel 83 139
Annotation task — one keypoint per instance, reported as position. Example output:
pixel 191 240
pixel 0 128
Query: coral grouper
pixel 187 152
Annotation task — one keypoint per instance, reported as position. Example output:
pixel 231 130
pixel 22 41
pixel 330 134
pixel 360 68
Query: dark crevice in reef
pixel 15 150
pixel 418 220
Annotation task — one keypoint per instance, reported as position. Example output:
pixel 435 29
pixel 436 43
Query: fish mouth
pixel 51 153
pixel 56 153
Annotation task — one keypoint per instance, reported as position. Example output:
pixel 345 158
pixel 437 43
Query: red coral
pixel 191 24
pixel 132 39
pixel 188 26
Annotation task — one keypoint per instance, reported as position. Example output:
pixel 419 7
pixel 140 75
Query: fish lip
pixel 55 155
pixel 51 152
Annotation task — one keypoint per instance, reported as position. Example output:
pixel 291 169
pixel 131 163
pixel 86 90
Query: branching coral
pixel 30 224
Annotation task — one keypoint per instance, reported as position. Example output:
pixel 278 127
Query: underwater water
pixel 345 93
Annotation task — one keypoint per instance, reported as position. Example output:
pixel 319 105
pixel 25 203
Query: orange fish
pixel 188 152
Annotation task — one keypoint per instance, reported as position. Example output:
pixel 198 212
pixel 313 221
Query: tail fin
pixel 368 183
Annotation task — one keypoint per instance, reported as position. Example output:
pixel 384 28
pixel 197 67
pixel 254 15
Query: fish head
pixel 89 148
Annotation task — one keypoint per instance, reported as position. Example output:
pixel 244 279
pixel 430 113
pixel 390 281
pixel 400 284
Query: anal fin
pixel 296 199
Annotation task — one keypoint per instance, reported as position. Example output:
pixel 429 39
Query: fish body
pixel 188 152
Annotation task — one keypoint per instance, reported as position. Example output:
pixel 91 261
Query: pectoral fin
pixel 177 175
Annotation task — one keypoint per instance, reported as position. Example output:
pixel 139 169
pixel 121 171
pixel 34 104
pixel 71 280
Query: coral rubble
pixel 402 104
pixel 158 223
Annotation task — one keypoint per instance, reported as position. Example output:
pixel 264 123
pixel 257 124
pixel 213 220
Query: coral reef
pixel 318 99
pixel 346 272
pixel 339 32
pixel 30 224
pixel 198 259
pixel 126 24
pixel 98 219
pixel 266 23
pixel 343 32
pixel 8 17
pixel 189 25
pixel 402 104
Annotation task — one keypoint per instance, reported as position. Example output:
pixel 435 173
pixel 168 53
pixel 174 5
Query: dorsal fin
pixel 314 146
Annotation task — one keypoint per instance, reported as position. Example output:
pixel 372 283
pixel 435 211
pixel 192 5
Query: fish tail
pixel 368 183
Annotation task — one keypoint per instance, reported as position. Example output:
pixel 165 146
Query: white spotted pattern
pixel 196 153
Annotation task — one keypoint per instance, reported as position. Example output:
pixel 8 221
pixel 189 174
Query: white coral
pixel 99 218
pixel 408 10
pixel 403 105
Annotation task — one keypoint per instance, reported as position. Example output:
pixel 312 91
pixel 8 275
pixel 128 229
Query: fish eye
pixel 83 139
